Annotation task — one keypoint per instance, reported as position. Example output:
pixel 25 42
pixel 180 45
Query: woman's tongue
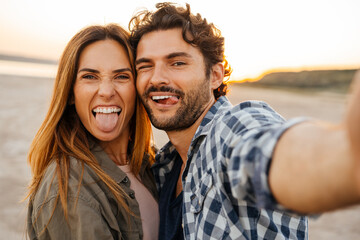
pixel 106 121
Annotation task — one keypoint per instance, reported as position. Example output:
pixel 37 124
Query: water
pixel 27 69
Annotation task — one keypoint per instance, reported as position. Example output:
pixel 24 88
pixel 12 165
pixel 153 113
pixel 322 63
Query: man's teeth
pixel 160 97
pixel 107 110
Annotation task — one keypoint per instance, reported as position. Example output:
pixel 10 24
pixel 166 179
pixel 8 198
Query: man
pixel 232 172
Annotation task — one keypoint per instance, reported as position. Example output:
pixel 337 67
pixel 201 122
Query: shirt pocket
pixel 199 193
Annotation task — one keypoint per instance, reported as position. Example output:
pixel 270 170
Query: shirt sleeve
pixel 248 152
pixel 85 221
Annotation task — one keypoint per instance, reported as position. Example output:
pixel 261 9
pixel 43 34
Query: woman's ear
pixel 217 75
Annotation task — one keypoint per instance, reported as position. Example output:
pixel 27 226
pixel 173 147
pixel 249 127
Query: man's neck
pixel 181 139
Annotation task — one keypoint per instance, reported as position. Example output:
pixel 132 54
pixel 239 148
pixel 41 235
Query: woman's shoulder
pixel 84 199
pixel 78 173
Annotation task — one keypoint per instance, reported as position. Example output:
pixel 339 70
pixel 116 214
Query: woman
pixel 90 158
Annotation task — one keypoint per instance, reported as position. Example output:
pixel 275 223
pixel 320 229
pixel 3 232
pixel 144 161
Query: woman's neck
pixel 117 150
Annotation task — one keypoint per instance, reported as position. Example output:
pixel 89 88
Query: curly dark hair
pixel 203 35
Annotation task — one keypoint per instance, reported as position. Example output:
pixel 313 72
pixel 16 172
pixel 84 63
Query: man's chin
pixel 171 124
pixel 165 126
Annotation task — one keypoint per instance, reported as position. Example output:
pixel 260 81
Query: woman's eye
pixel 88 77
pixel 122 77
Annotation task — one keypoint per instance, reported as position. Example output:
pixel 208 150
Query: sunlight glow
pixel 260 35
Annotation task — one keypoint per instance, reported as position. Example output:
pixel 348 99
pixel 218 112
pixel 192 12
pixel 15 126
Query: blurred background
pixel 298 55
pixel 260 35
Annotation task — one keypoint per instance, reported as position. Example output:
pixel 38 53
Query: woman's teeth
pixel 107 110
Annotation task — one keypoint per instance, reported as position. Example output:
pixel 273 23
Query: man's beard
pixel 193 104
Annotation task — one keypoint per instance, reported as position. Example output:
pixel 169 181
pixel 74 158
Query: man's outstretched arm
pixel 316 165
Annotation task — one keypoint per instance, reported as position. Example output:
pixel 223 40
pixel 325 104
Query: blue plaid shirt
pixel 225 182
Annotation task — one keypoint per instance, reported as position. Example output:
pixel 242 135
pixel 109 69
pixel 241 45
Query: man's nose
pixel 159 76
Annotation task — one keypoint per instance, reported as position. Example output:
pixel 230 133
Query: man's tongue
pixel 170 100
pixel 106 121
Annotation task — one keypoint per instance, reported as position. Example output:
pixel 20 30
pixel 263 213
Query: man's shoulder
pixel 250 106
pixel 247 113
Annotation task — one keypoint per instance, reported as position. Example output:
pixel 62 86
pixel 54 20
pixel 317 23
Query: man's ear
pixel 217 75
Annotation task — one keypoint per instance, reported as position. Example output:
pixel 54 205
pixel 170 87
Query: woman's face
pixel 104 90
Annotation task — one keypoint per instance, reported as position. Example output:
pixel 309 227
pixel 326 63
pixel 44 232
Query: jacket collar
pixel 108 165
pixel 221 105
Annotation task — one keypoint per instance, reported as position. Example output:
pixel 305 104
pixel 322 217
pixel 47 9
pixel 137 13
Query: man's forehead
pixel 162 42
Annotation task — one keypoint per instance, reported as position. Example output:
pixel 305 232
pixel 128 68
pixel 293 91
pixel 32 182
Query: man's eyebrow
pixel 142 60
pixel 96 71
pixel 178 54
pixel 169 56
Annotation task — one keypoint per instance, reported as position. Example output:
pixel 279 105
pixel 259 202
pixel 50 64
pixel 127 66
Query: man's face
pixel 171 80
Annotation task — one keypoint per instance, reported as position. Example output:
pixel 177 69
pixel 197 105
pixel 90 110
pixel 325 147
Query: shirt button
pixel 125 180
pixel 132 195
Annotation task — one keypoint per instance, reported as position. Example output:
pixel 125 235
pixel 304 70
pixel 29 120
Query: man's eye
pixel 143 67
pixel 179 63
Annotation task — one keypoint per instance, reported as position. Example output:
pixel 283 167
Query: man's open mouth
pixel 166 99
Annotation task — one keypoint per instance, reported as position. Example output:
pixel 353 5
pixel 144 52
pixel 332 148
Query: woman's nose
pixel 106 89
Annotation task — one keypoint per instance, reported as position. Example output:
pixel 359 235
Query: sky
pixel 260 35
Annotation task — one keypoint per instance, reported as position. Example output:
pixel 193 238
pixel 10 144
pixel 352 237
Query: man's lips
pixel 163 95
pixel 165 99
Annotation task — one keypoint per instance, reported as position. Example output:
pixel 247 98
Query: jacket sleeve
pixel 85 221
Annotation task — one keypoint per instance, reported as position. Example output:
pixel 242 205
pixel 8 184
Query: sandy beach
pixel 23 104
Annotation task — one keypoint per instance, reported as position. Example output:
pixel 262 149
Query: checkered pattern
pixel 226 192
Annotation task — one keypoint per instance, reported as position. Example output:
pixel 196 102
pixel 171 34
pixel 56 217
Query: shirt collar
pixel 219 106
pixel 165 155
pixel 168 152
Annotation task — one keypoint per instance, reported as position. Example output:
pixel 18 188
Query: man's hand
pixel 352 124
pixel 316 165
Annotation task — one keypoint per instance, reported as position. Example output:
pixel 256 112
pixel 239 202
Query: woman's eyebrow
pixel 122 70
pixel 88 70
pixel 96 71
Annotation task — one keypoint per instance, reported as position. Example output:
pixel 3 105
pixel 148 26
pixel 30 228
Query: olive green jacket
pixel 97 214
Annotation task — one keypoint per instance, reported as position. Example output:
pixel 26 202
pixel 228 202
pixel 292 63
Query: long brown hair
pixel 62 134
pixel 195 30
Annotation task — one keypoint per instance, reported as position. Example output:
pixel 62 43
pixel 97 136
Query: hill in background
pixel 14 58
pixel 316 80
